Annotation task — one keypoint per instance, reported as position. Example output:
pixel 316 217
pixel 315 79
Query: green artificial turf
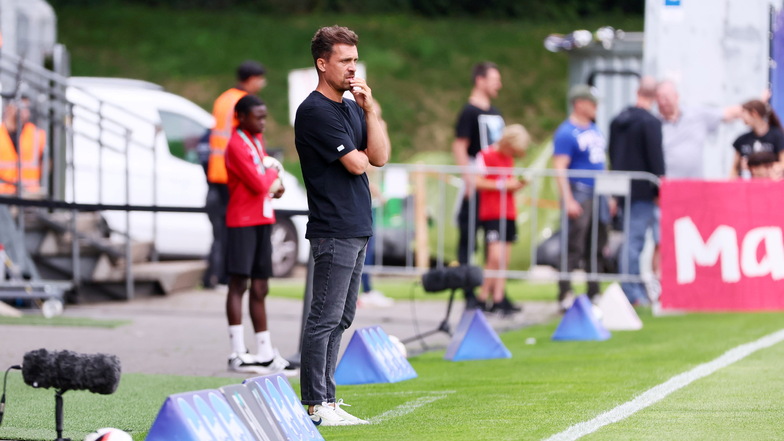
pixel 740 402
pixel 407 288
pixel 545 388
pixel 36 320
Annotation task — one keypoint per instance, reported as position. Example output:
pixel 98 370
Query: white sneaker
pixel 375 299
pixel 347 416
pixel 285 367
pixel 566 302
pixel 247 363
pixel 324 415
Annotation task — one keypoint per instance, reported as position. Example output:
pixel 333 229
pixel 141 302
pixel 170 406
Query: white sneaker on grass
pixel 347 416
pixel 248 364
pixel 324 415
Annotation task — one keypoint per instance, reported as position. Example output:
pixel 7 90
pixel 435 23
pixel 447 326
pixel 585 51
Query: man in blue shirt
pixel 579 145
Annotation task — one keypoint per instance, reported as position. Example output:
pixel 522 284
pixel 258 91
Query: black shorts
pixel 249 251
pixel 493 230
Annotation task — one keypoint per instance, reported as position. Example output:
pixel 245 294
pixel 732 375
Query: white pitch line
pixel 408 407
pixel 657 393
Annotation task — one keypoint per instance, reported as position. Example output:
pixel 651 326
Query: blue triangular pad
pixel 371 357
pixel 579 323
pixel 256 415
pixel 275 395
pixel 475 339
pixel 198 415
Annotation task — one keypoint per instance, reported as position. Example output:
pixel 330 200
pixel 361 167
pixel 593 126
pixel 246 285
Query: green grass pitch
pixel 545 388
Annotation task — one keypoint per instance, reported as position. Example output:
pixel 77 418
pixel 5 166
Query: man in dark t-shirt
pixel 336 139
pixel 479 126
pixel 636 145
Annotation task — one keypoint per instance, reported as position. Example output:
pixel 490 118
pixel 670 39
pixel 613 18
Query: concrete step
pixel 171 276
pixel 86 222
pixel 54 244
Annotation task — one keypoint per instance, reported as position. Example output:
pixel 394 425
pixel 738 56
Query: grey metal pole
pixel 58 149
pixel 534 219
pixel 471 220
pixel 442 215
pixel 100 154
pixel 76 267
pixel 594 232
pixel 128 252
pixel 564 238
pixel 627 224
pixel 308 297
pixel 154 256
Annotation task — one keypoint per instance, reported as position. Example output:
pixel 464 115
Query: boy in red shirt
pixel 249 218
pixel 497 211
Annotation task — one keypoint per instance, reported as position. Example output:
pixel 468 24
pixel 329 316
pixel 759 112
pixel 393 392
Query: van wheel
pixel 284 247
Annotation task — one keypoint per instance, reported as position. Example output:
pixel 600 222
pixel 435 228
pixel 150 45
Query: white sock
pixel 264 346
pixel 237 339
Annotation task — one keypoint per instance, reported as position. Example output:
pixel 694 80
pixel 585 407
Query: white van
pixel 162 130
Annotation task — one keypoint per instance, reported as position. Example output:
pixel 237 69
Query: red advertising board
pixel 722 245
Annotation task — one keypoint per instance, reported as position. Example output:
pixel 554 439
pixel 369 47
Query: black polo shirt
pixel 339 201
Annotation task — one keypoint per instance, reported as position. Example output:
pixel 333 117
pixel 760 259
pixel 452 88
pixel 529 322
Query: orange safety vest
pixel 32 142
pixel 225 122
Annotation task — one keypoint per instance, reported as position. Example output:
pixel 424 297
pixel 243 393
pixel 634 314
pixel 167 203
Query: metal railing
pixel 427 229
pixel 55 112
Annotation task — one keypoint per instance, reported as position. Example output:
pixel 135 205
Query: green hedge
pixel 522 9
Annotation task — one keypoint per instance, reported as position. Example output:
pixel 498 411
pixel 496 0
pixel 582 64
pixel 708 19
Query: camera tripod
pixel 443 327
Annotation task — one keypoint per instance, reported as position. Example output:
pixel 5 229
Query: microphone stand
pixel 58 415
pixel 443 327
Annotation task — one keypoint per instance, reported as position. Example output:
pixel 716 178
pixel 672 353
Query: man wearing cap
pixel 250 80
pixel 579 145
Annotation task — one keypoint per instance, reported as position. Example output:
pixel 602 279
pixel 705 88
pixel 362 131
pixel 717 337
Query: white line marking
pixel 408 407
pixel 657 393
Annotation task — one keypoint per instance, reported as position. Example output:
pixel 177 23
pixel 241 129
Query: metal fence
pixel 416 228
pixel 104 127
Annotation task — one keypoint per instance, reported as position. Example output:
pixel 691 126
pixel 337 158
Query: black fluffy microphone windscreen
pixel 68 370
pixel 452 277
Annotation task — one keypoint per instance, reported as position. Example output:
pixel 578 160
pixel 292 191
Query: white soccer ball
pixel 399 345
pixel 108 434
pixel 270 162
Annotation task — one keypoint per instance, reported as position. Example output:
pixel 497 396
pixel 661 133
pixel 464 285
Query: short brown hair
pixel 758 159
pixel 326 37
pixel 480 70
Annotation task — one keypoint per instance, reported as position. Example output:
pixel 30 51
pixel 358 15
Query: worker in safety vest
pixel 20 151
pixel 250 80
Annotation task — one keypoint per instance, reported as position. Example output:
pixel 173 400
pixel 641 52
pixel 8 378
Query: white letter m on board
pixel 690 251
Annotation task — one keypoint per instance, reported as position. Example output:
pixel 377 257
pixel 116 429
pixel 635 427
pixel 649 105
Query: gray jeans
pixel 579 251
pixel 336 277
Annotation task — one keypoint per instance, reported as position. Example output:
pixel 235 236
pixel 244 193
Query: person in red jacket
pixel 497 212
pixel 249 220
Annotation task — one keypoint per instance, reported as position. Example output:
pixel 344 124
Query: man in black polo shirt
pixel 336 140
